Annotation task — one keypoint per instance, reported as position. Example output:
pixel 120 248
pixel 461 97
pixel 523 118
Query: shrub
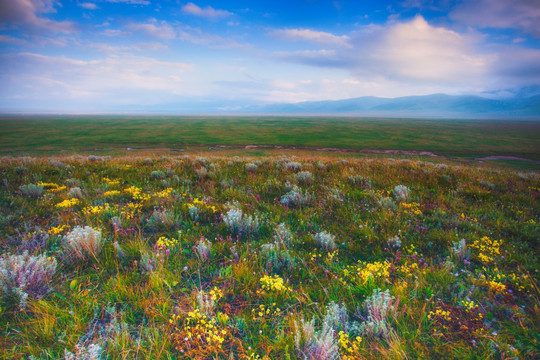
pixel 394 242
pixel 24 275
pixel 282 234
pixel 460 250
pixel 76 193
pixel 277 258
pixel 401 193
pixel 336 317
pixel 251 167
pixel 387 203
pixel 194 213
pixel 325 240
pixel 379 307
pixel 361 181
pixel 304 177
pixel 295 198
pixel 158 174
pixel 241 224
pixel 314 345
pixel 92 352
pixel 292 166
pixel 83 243
pixel 32 190
pixel 202 172
pixel 162 218
pixel 203 248
pixel 73 183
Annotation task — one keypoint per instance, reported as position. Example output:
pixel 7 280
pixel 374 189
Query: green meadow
pixel 267 253
pixel 458 138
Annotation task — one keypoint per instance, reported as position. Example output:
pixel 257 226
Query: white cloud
pixel 124 79
pixel 28 13
pixel 12 40
pixel 516 14
pixel 308 35
pixel 199 37
pixel 161 30
pixel 407 51
pixel 133 2
pixel 207 12
pixel 418 51
pixel 114 32
pixel 88 6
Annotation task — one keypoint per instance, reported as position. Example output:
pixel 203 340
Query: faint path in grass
pixel 502 157
pixel 282 147
pixel 331 149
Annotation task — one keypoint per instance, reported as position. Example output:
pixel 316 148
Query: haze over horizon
pixel 124 55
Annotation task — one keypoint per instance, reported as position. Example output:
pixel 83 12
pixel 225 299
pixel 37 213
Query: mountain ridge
pixel 420 105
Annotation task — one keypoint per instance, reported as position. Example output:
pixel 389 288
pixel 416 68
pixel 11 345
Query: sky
pixel 85 56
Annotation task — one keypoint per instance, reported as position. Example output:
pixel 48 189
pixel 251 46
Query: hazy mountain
pixel 437 105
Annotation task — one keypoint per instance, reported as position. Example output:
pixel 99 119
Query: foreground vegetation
pixel 455 138
pixel 185 257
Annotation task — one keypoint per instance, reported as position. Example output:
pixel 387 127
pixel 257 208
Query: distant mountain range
pixel 436 105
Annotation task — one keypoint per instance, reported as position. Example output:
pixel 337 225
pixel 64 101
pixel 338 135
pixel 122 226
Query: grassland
pixel 318 257
pixel 456 138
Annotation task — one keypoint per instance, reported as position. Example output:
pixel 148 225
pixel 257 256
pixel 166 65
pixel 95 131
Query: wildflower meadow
pixel 267 257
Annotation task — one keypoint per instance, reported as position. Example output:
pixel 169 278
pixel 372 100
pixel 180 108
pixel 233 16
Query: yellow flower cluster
pixel 202 206
pixel 264 312
pixel 439 313
pixel 111 193
pixel 315 256
pixel 348 348
pixel 136 193
pixel 166 243
pixel 411 250
pixel 111 182
pixel 493 282
pixel 128 212
pixel 95 210
pixel 408 269
pixel 274 284
pixel 487 250
pixel 411 208
pixel 165 193
pixel 496 286
pixel 203 329
pixel 55 230
pixel 68 203
pixel 469 305
pixel 363 272
pixel 331 255
pixel 52 187
pixel 519 281
pixel 216 293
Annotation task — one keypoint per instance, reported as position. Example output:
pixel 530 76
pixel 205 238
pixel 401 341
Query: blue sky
pixel 131 55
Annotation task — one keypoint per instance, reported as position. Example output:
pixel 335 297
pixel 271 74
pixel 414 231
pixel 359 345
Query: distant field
pixel 461 138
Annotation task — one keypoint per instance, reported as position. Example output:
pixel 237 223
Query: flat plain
pixel 267 253
pixel 458 138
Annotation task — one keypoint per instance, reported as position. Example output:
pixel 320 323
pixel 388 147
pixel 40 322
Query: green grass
pixel 457 138
pixel 137 296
